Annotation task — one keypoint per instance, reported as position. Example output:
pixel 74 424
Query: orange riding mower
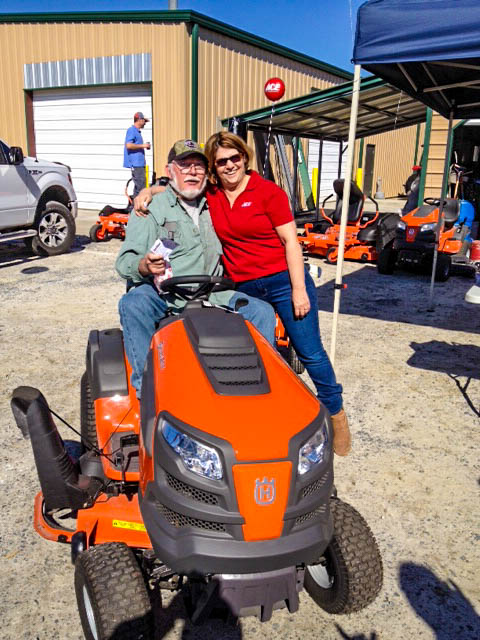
pixel 112 220
pixel 365 231
pixel 217 484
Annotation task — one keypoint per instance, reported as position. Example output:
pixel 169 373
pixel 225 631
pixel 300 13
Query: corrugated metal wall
pixel 436 156
pixel 168 44
pixel 232 75
pixel 394 155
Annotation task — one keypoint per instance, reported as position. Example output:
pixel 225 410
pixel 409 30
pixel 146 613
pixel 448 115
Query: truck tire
pixel 112 598
pixel 350 574
pixel 56 230
pixel 88 425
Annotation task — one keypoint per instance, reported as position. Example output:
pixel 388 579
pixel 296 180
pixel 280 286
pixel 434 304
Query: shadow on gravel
pixel 402 297
pixel 442 605
pixel 15 253
pixel 456 360
pixel 356 636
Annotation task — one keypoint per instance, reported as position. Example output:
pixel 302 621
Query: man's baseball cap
pixel 184 148
pixel 139 116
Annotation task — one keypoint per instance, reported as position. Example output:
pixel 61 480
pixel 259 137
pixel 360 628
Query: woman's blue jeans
pixel 142 308
pixel 304 334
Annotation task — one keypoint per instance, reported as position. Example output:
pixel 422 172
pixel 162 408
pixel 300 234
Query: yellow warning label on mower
pixel 134 526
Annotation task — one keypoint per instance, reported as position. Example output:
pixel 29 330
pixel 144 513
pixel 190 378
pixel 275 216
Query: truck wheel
pixel 350 574
pixel 95 234
pixel 111 594
pixel 88 425
pixel 294 361
pixel 56 230
pixel 443 267
pixel 386 260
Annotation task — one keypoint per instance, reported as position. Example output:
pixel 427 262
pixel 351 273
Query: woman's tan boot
pixel 342 440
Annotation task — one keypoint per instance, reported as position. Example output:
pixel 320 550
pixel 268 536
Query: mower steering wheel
pixel 206 286
pixel 434 201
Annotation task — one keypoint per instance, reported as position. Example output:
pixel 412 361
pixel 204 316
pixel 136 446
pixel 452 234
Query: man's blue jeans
pixel 304 334
pixel 141 308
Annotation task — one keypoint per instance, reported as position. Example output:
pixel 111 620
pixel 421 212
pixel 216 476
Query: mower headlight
pixel 401 225
pixel 313 451
pixel 431 226
pixel 197 457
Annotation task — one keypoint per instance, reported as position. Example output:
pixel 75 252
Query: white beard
pixel 188 194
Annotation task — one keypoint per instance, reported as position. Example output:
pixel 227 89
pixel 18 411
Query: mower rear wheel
pixel 443 267
pixel 294 360
pixel 94 234
pixel 112 598
pixel 350 574
pixel 332 255
pixel 88 425
pixel 386 260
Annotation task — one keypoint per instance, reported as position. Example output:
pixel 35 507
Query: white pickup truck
pixel 37 202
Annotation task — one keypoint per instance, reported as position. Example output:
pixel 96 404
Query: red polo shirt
pixel 251 246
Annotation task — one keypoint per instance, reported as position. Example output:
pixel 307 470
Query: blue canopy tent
pixel 430 49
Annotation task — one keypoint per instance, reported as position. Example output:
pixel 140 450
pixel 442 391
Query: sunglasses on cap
pixel 236 158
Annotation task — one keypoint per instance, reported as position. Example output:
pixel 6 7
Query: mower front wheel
pixel 112 598
pixel 386 260
pixel 443 267
pixel 332 255
pixel 96 234
pixel 350 574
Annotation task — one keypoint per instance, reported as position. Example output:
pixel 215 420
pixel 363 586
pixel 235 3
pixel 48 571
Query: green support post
pixel 426 146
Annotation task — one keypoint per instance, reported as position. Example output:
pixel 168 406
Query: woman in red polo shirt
pixel 262 256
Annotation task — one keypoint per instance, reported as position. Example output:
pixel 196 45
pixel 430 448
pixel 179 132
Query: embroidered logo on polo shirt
pixel 245 204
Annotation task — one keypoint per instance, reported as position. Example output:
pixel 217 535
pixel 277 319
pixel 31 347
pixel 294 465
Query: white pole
pixel 438 228
pixel 345 202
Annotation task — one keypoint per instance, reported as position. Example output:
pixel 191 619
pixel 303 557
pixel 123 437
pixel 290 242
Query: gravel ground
pixel 412 393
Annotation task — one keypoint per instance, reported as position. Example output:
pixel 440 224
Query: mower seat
pixel 108 210
pixel 451 211
pixel 355 206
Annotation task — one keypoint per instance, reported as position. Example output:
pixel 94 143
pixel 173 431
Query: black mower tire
pixel 294 361
pixel 111 594
pixel 351 576
pixel 328 255
pixel 443 267
pixel 93 233
pixel 88 425
pixel 55 226
pixel 386 260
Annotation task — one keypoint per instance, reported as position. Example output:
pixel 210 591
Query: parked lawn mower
pixel 218 483
pixel 366 232
pixel 414 242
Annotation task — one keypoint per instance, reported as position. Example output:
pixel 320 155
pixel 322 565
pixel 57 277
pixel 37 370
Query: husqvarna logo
pixel 411 232
pixel 264 491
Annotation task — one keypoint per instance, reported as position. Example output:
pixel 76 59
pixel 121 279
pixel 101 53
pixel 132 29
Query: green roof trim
pixel 176 16
pixel 372 82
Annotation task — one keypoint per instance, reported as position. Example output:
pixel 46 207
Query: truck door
pixel 14 209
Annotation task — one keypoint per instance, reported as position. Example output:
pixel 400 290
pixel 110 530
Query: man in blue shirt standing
pixel 134 152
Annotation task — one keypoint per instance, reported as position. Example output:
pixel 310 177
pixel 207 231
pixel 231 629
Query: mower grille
pixel 315 486
pixel 180 520
pixel 191 492
pixel 234 368
pixel 316 513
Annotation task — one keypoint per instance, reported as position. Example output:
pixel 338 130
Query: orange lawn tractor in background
pixel 366 232
pixel 217 484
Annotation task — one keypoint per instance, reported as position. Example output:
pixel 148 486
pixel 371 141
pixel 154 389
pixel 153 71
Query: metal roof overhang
pixel 326 114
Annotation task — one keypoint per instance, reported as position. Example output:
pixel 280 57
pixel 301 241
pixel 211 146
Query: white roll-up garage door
pixel 85 128
pixel 329 165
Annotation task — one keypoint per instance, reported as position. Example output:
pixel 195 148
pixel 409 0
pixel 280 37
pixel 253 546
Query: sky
pixel 323 28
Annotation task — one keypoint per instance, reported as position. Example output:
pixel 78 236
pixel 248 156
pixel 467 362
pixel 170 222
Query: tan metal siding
pixel 436 156
pixel 168 44
pixel 232 75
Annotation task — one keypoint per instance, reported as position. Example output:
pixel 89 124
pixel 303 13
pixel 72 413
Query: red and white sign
pixel 274 89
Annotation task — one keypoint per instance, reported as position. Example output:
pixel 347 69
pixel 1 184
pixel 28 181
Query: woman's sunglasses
pixel 236 158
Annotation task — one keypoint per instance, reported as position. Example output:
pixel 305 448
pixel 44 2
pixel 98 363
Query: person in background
pixel 134 152
pixel 179 216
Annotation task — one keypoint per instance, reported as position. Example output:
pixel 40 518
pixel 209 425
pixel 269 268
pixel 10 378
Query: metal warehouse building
pixel 72 82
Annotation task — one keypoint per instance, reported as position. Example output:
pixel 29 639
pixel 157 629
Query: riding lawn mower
pixel 218 483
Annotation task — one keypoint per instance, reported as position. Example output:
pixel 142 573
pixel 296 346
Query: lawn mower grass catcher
pixel 218 483
pixel 365 235
pixel 414 242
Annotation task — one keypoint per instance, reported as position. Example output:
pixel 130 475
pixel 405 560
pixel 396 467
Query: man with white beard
pixel 179 217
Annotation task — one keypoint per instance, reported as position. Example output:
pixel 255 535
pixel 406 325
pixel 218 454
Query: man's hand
pixel 151 265
pixel 144 198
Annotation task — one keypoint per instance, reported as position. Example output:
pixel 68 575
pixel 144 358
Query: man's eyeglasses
pixel 222 162
pixel 185 167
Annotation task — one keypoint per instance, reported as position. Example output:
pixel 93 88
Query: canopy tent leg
pixel 431 306
pixel 345 203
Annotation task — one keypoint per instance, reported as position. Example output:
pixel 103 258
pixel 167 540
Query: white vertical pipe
pixel 345 202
